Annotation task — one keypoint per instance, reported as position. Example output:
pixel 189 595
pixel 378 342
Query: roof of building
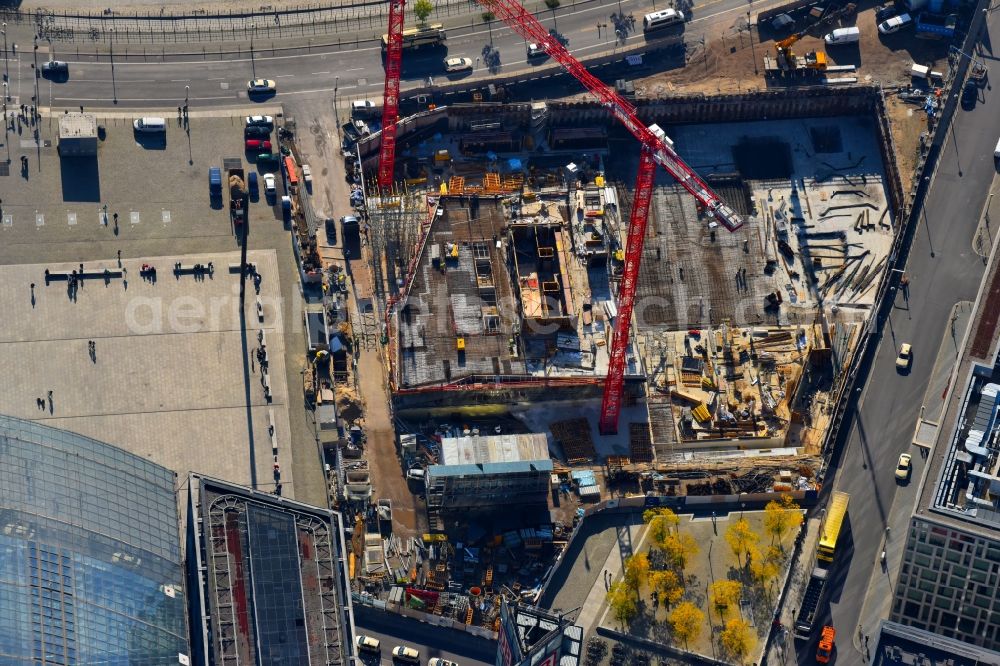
pixel 961 482
pixel 899 644
pixel 481 450
pixel 273 588
pixel 78 126
pixel 537 631
pixel 91 543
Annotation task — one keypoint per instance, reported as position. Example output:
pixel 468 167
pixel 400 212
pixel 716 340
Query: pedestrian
pixel 252 367
pixel 119 251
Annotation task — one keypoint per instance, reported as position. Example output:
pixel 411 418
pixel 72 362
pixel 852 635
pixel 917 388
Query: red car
pixel 259 145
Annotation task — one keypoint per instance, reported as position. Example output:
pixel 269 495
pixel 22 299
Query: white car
pixel 895 24
pixel 260 121
pixel 438 661
pixel 536 50
pixel 363 108
pixel 269 187
pixel 405 653
pixel 452 65
pixel 904 357
pixel 307 174
pixel 261 86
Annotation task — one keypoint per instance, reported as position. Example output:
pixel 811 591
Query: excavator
pixel 788 63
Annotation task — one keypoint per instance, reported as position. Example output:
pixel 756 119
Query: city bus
pixel 414 38
pixel 830 530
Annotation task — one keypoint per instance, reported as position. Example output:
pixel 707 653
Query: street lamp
pixel 187 91
pixel 753 54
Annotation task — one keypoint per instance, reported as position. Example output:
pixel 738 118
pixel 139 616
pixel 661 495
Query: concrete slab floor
pixel 166 378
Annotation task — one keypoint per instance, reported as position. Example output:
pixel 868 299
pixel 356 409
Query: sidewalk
pixel 595 608
pixel 783 646
pixel 881 586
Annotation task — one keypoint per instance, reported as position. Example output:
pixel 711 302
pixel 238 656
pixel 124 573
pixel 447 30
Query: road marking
pixel 172 100
pixel 165 214
pixel 179 80
pixel 221 78
pixel 284 76
pixel 317 73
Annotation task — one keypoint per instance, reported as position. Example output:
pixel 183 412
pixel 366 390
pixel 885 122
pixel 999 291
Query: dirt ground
pixel 727 63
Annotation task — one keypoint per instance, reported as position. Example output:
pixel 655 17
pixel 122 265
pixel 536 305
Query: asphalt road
pixel 943 269
pixel 431 641
pixel 354 72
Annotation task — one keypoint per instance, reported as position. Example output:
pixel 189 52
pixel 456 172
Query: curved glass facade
pixel 90 561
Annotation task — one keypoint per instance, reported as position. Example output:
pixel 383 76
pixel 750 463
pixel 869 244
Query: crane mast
pixel 390 96
pixel 656 149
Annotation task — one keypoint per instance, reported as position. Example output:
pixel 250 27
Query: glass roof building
pixel 90 558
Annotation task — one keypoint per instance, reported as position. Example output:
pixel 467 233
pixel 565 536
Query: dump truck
pixel 827 640
pixel 237 196
pixel 805 620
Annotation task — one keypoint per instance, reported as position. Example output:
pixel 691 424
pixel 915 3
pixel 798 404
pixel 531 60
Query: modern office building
pixel 487 472
pixel 897 644
pixel 267 578
pixel 90 557
pixel 949 577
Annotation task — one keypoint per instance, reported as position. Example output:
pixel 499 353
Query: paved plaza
pixel 166 378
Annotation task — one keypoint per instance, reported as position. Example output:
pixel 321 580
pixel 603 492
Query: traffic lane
pixel 943 269
pixel 429 640
pixel 356 72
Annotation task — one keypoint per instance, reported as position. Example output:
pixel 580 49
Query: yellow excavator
pixel 789 62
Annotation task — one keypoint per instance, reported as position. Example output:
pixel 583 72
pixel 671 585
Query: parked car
pixel 286 208
pixel 452 65
pixel 261 87
pixel 215 181
pixel 367 643
pixel 903 467
pixel 886 11
pixel 438 661
pixel 260 145
pixel 331 231
pixel 895 24
pixel 257 132
pixel 260 121
pixel 970 94
pixel 150 124
pixel 904 357
pixel 270 189
pixel 55 68
pixel 252 185
pixel 851 35
pixel 405 653
pixel 363 108
pixel 267 159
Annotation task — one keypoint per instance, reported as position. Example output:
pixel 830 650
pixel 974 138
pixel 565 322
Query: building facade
pixel 90 556
pixel 484 473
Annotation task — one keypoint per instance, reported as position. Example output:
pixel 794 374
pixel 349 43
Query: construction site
pixel 503 260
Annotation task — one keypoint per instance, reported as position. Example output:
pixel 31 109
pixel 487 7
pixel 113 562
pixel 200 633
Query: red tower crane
pixel 390 96
pixel 656 149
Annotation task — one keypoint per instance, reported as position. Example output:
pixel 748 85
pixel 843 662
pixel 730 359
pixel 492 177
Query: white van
pixel 996 151
pixel 150 125
pixel 661 19
pixel 843 36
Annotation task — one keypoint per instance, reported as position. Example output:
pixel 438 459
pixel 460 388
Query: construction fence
pixel 365 19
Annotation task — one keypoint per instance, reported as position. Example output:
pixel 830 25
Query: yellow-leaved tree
pixel 741 537
pixel 736 639
pixel 780 516
pixel 622 602
pixel 687 621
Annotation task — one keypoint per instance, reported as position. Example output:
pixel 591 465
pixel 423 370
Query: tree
pixel 765 566
pixel 725 594
pixel 741 538
pixel 667 586
pixel 736 638
pixel 489 17
pixel 552 4
pixel 422 9
pixel 636 572
pixel 687 621
pixel 622 603
pixel 679 548
pixel 781 516
pixel 662 523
